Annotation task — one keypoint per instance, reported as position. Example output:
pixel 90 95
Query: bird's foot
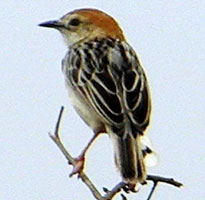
pixel 129 188
pixel 78 165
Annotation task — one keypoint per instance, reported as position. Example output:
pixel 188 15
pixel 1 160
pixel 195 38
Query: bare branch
pixel 109 193
pixel 170 181
pixel 58 122
pixel 152 190
pixel 157 179
pixel 71 160
pixel 123 197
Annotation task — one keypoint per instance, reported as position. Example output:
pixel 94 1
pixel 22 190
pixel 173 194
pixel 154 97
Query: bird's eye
pixel 74 22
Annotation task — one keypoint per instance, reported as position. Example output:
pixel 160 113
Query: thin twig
pixel 58 122
pixel 71 160
pixel 123 197
pixel 170 181
pixel 157 179
pixel 110 194
pixel 152 190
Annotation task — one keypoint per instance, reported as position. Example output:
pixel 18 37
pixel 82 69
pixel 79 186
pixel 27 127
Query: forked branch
pixel 109 193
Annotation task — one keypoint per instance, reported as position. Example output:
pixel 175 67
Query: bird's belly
pixel 85 110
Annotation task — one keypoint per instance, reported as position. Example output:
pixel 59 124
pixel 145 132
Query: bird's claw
pixel 77 166
pixel 129 188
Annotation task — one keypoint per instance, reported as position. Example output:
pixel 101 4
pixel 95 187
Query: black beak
pixel 52 24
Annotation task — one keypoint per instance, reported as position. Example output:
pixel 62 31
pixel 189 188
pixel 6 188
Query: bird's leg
pixel 79 161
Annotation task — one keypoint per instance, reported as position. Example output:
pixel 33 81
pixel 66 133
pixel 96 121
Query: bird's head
pixel 85 24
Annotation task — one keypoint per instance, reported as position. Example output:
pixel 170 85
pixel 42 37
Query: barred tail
pixel 129 157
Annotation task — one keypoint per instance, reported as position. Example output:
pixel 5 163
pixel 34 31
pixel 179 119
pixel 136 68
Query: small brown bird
pixel 107 86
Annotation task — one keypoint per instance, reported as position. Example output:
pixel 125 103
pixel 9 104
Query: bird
pixel 107 87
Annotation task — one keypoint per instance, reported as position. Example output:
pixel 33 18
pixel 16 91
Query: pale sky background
pixel 169 38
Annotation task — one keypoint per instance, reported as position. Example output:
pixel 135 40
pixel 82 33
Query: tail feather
pixel 141 169
pixel 150 156
pixel 126 158
pixel 129 157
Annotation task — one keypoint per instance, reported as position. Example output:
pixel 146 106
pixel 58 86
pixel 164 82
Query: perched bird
pixel 107 86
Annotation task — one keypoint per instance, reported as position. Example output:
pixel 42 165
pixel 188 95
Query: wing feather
pixel 116 85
